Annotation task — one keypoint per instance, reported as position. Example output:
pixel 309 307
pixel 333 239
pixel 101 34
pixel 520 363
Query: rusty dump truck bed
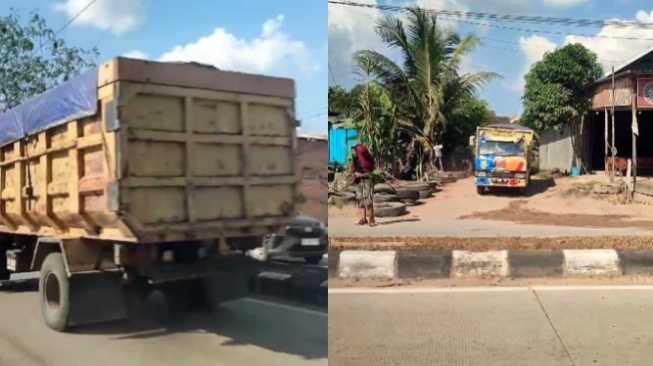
pixel 143 151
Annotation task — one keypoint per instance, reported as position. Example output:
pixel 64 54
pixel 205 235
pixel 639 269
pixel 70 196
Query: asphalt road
pixel 252 331
pixel 487 327
pixel 346 227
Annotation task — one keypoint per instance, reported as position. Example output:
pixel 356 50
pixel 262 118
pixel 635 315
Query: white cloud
pixel 610 51
pixel 272 51
pixel 534 47
pixel 352 28
pixel 564 3
pixel 613 52
pixel 115 16
pixel 136 54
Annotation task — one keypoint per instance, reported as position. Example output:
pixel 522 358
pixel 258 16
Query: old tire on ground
pixel 390 209
pixel 384 197
pixel 425 194
pixel 409 203
pixel 433 185
pixel 407 194
pixel 460 175
pixel 418 186
pixel 384 188
pixel 314 259
pixel 54 292
pixel 343 198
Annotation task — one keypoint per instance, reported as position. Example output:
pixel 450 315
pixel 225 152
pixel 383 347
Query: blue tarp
pixel 73 99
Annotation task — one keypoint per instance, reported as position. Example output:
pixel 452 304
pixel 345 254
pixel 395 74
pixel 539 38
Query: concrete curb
pixel 440 264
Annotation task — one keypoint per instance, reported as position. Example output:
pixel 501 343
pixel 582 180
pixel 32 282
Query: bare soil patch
pixel 493 243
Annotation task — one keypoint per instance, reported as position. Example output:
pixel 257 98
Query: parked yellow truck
pixel 503 156
pixel 139 175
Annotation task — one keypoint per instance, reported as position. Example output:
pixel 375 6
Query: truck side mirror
pixel 472 140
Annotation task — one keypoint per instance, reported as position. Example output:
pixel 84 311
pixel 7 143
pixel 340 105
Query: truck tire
pixel 384 197
pixel 407 194
pixel 418 186
pixel 425 194
pixel 480 190
pixel 390 209
pixel 54 292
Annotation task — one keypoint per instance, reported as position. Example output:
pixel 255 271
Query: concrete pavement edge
pixel 441 264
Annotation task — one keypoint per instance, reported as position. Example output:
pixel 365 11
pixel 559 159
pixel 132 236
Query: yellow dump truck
pixel 503 156
pixel 139 175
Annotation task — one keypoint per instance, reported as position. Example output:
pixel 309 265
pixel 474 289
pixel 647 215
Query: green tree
pixel 426 83
pixel 33 59
pixel 373 115
pixel 553 95
pixel 475 114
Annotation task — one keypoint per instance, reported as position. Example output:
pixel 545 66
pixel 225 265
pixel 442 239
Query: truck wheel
pixel 315 259
pixel 480 190
pixel 54 292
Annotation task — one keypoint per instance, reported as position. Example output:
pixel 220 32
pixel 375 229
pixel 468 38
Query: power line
pixel 497 26
pixel 576 22
pixel 523 30
pixel 333 79
pixel 551 32
pixel 53 38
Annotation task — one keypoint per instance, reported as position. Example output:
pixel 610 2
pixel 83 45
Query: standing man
pixel 362 166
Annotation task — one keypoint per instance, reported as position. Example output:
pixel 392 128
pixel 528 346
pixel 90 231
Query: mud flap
pixel 96 298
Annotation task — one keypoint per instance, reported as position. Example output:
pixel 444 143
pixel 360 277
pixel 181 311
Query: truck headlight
pixel 520 176
pixel 481 174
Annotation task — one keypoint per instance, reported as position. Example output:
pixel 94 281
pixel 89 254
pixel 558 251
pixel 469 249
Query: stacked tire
pixel 390 201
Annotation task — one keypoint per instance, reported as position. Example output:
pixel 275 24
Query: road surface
pixel 491 326
pixel 346 227
pixel 252 331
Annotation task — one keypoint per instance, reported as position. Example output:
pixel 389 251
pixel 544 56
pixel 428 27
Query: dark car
pixel 305 237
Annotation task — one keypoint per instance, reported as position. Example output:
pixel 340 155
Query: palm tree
pixel 427 84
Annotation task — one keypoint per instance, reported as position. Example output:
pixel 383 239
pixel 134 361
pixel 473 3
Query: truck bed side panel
pixel 151 161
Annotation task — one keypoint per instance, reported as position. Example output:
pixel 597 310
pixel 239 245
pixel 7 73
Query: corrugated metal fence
pixel 341 140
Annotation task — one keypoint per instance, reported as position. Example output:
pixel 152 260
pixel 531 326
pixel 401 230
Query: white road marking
pixel 435 290
pixel 285 307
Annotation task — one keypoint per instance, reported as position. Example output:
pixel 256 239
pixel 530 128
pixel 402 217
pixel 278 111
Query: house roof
pixel 307 136
pixel 627 63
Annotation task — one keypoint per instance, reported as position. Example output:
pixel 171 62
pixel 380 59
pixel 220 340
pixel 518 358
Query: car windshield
pixel 501 148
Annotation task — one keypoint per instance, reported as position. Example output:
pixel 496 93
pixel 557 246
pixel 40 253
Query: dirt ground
pixel 563 202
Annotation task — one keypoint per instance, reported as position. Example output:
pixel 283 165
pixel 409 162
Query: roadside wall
pixel 556 150
pixel 313 156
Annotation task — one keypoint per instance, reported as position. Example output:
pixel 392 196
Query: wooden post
pixel 634 129
pixel 605 115
pixel 612 147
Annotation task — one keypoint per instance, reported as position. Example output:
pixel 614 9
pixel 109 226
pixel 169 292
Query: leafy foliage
pixel 32 59
pixel 426 86
pixel 477 113
pixel 553 94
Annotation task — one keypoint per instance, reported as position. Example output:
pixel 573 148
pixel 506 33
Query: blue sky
pixel 507 52
pixel 228 34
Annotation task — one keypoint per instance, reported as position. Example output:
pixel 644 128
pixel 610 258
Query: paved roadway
pixel 491 326
pixel 252 331
pixel 345 227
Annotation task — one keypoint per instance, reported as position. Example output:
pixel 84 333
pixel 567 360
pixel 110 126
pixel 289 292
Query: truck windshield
pixel 501 148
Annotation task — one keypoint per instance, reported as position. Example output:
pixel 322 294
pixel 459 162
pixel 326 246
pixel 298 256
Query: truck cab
pixel 502 157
